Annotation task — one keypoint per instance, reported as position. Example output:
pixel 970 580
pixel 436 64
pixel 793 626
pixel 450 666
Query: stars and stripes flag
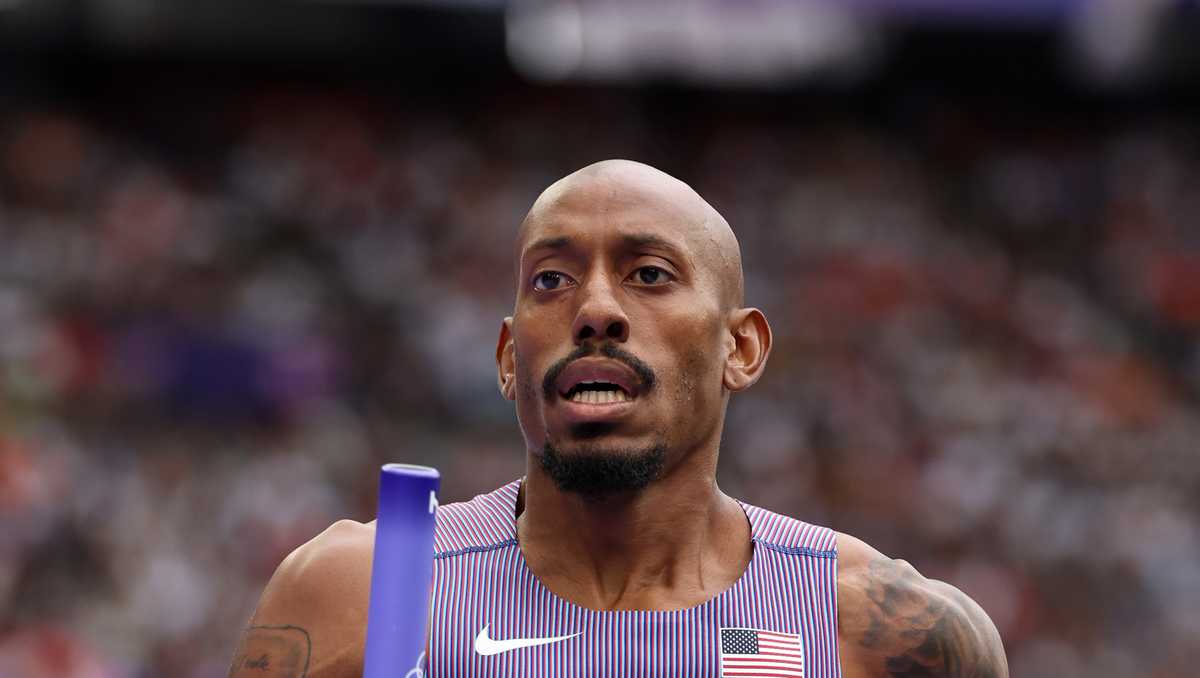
pixel 752 653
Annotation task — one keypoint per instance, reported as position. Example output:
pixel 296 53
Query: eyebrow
pixel 555 243
pixel 635 240
pixel 632 240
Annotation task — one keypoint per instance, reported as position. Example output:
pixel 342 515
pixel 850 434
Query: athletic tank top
pixel 779 619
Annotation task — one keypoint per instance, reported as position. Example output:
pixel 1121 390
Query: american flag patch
pixel 751 653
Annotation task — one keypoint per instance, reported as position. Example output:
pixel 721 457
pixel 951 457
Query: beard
pixel 595 471
pixel 598 473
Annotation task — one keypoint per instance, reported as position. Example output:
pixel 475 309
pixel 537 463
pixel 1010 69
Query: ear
pixel 749 346
pixel 506 361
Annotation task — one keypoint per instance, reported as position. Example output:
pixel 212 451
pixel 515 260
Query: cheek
pixel 528 405
pixel 529 374
pixel 527 389
pixel 526 348
pixel 697 343
pixel 699 377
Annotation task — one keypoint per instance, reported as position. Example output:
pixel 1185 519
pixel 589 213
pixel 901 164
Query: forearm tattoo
pixel 272 652
pixel 925 633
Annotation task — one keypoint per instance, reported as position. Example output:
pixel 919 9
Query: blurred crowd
pixel 218 315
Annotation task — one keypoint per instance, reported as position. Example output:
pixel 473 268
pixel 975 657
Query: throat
pixel 625 555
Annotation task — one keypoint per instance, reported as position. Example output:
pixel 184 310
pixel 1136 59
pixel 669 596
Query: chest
pixel 646 644
pixel 491 618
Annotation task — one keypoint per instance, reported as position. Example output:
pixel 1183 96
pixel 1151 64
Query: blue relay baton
pixel 401 572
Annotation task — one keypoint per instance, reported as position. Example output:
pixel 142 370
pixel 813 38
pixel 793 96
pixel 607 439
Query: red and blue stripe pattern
pixel 480 579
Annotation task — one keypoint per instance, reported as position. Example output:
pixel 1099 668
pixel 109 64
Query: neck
pixel 674 544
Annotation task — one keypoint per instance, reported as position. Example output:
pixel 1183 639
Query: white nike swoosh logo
pixel 487 647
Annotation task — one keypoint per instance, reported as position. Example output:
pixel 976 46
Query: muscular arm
pixel 894 622
pixel 312 617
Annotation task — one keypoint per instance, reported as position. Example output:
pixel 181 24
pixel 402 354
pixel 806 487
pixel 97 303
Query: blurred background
pixel 250 250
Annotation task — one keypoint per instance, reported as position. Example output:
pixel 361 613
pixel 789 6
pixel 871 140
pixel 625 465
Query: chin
pixel 592 430
pixel 597 470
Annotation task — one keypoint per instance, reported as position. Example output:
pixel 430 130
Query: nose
pixel 600 315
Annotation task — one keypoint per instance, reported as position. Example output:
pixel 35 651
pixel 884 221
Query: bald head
pixel 620 193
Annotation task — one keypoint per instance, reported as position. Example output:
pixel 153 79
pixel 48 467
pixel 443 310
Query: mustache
pixel 641 369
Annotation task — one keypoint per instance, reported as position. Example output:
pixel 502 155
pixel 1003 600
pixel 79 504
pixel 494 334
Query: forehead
pixel 605 211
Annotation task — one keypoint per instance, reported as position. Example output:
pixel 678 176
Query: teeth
pixel 599 397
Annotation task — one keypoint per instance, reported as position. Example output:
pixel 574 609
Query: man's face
pixel 618 335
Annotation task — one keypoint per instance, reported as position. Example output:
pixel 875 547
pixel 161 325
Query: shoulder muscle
pixel 894 622
pixel 311 620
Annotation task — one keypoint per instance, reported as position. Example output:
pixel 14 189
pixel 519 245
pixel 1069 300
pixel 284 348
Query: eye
pixel 651 275
pixel 549 280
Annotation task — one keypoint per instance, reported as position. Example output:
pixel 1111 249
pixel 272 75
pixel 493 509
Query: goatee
pixel 596 473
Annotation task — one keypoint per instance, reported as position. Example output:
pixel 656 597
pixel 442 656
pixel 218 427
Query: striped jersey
pixel 491 617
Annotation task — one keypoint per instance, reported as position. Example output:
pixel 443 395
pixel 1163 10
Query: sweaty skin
pixel 620 254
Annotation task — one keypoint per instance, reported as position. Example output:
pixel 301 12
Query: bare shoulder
pixel 894 622
pixel 312 617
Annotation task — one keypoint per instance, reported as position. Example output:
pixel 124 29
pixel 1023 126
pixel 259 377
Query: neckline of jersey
pixel 511 491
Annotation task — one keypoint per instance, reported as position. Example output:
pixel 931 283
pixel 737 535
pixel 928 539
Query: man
pixel 617 554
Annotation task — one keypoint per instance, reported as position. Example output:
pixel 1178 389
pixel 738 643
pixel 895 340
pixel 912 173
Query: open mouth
pixel 597 393
pixel 598 382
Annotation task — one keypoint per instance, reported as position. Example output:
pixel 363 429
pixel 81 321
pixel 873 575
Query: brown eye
pixel 652 275
pixel 548 280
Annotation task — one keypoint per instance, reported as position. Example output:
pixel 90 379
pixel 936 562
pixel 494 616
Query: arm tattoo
pixel 922 632
pixel 272 652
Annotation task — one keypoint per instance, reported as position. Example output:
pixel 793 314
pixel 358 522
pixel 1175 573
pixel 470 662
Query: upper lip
pixel 608 371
